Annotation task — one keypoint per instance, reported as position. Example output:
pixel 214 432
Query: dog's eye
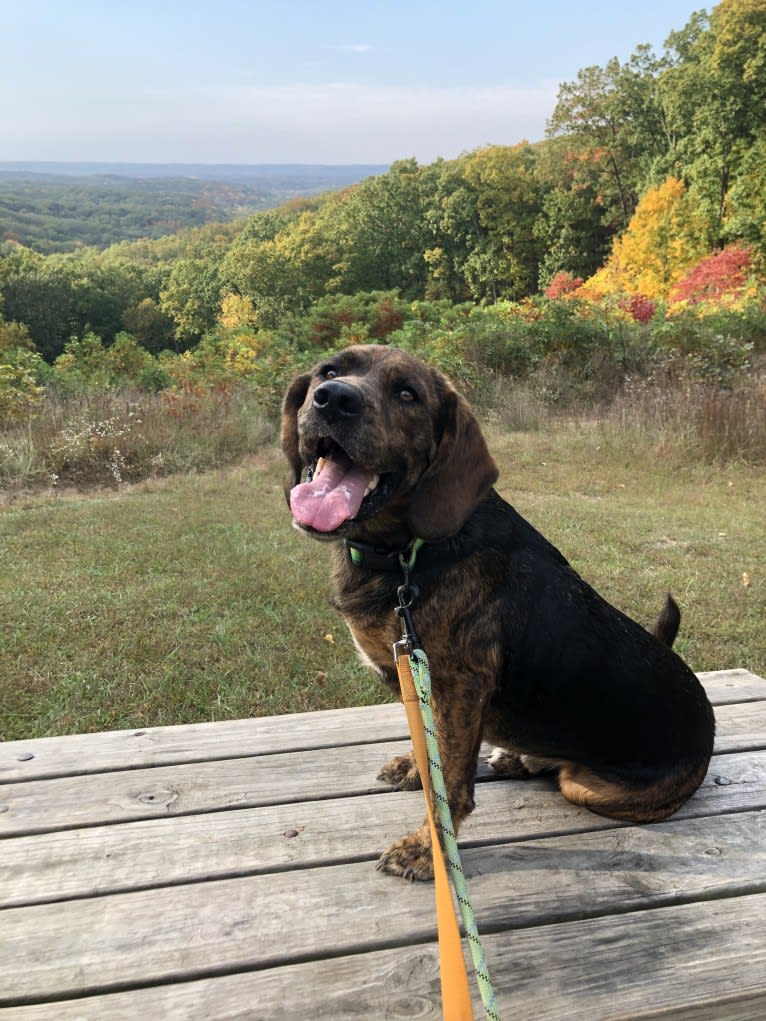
pixel 329 372
pixel 408 395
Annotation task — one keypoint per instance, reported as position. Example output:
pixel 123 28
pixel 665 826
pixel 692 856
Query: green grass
pixel 191 598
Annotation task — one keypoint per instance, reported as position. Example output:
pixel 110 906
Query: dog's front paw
pixel 409 857
pixel 401 772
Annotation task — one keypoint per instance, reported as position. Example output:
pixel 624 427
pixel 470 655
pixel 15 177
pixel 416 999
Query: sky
pixel 296 81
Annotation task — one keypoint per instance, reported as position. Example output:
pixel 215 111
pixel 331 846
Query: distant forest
pixel 59 207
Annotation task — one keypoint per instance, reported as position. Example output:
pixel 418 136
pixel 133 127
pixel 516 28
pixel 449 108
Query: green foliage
pixel 87 365
pixel 14 335
pixel 21 392
pixel 193 291
pixel 712 345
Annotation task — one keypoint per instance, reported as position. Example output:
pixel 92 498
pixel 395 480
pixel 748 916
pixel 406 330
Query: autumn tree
pixel 666 234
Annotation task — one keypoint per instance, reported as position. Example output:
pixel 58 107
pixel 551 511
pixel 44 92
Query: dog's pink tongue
pixel 333 497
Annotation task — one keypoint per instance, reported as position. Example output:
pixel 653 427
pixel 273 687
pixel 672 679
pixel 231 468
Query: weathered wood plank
pixel 133 749
pixel 184 931
pixel 723 686
pixel 157 852
pixel 701 962
pixel 740 726
pixel 77 754
pixel 163 791
pixel 72 802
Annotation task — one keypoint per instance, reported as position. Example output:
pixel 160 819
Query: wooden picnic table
pixel 226 870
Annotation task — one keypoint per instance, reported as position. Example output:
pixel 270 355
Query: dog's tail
pixel 668 622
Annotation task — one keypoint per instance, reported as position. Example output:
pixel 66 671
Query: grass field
pixel 191 598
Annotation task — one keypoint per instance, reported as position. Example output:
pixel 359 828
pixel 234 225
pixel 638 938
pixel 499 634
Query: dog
pixel 386 459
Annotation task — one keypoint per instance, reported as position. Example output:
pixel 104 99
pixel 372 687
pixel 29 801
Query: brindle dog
pixel 523 652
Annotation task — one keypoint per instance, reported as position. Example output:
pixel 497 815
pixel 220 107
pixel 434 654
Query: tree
pixel 715 94
pixel 504 260
pixel 613 120
pixel 38 292
pixel 571 232
pixel 379 235
pixel 745 215
pixel 151 327
pixel 666 235
pixel 453 228
pixel 192 295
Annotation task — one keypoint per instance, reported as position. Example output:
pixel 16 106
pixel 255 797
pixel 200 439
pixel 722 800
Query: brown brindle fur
pixel 522 651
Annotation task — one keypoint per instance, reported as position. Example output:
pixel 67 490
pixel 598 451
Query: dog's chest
pixel 374 644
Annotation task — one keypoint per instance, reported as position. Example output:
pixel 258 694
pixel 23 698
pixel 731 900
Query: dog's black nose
pixel 335 399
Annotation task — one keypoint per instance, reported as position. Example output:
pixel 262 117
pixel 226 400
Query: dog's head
pixel 389 449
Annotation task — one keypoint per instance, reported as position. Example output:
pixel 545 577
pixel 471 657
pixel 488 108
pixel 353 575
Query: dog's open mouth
pixel 335 490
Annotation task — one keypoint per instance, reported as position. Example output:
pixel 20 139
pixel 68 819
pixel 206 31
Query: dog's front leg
pixel 458 718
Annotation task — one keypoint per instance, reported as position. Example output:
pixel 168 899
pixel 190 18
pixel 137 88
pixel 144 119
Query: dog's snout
pixel 335 399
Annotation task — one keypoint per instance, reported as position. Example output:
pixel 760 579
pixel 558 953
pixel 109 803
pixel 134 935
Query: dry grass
pixel 703 423
pixel 111 437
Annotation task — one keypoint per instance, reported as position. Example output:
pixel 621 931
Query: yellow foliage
pixel 237 310
pixel 665 236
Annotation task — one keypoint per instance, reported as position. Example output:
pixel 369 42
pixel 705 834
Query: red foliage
pixel 639 307
pixel 724 273
pixel 387 319
pixel 562 283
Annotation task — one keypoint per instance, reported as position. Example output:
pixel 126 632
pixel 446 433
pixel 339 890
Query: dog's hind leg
pixel 649 803
pixel 516 766
pixel 507 764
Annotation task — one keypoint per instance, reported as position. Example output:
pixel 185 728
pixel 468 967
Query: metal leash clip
pixel 406 594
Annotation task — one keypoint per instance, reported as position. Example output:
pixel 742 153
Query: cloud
pixel 354 47
pixel 296 123
pixel 380 123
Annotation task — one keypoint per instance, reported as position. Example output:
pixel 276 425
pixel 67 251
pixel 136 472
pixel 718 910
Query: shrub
pixel 21 391
pixel 640 308
pixel 87 365
pixel 561 284
pixel 113 437
pixel 228 360
pixel 718 277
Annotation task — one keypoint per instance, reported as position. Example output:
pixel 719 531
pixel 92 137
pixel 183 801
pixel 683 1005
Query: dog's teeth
pixel 319 466
pixel 372 484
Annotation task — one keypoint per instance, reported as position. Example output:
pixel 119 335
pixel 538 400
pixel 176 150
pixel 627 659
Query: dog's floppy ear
pixel 458 478
pixel 291 405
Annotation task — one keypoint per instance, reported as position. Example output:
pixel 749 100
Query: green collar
pixel 378 558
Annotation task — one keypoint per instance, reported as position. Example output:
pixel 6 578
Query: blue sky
pixel 293 81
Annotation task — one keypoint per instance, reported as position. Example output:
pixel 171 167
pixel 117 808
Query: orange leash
pixel 456 995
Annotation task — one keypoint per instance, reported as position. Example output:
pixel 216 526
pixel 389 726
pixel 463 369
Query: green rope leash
pixel 422 678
